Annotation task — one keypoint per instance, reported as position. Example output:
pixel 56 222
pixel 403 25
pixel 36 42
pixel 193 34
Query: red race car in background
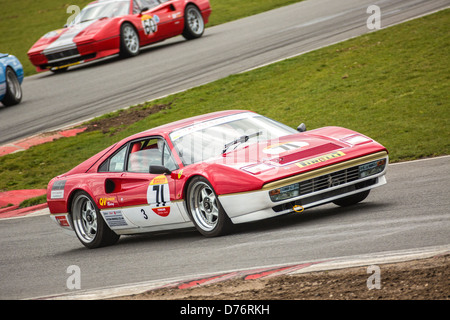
pixel 108 27
pixel 211 172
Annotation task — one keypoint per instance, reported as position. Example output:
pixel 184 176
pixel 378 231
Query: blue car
pixel 11 77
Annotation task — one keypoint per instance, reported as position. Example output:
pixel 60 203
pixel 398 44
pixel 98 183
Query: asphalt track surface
pixel 409 212
pixel 52 101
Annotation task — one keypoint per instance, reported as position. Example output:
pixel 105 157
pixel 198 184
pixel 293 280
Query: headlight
pixel 356 139
pixel 283 193
pixel 257 169
pixel 372 168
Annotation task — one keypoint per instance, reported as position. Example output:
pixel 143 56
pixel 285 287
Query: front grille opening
pixel 325 195
pixel 62 54
pixel 330 180
pixel 68 61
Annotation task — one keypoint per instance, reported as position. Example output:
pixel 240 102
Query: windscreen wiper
pixel 241 139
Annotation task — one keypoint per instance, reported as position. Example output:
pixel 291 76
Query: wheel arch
pixel 133 25
pixel 71 196
pixel 129 22
pixel 191 3
pixel 188 182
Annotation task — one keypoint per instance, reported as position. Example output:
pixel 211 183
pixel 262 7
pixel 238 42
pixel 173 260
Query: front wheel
pixel 129 41
pixel 13 89
pixel 88 223
pixel 351 200
pixel 193 23
pixel 205 210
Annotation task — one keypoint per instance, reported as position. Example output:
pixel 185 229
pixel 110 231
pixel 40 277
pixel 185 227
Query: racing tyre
pixel 193 23
pixel 13 89
pixel 205 209
pixel 88 223
pixel 129 41
pixel 351 200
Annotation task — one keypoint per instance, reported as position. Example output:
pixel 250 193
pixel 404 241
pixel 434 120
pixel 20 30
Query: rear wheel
pixel 193 23
pixel 129 41
pixel 205 210
pixel 351 200
pixel 13 93
pixel 88 223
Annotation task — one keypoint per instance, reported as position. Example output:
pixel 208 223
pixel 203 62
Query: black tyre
pixel 13 93
pixel 205 210
pixel 90 228
pixel 194 25
pixel 351 200
pixel 129 41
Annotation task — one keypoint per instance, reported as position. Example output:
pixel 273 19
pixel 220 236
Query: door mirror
pixel 159 170
pixel 301 128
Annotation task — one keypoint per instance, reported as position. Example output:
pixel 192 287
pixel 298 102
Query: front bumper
pixel 257 205
pixel 67 56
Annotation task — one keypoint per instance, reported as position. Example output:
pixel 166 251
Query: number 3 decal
pixel 150 24
pixel 158 196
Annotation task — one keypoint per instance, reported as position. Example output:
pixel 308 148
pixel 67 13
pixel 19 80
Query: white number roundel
pixel 158 196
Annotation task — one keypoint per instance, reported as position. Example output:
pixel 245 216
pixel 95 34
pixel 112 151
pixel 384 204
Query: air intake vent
pixel 324 148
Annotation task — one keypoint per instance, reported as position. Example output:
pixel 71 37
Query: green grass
pixel 33 201
pixel 23 22
pixel 392 85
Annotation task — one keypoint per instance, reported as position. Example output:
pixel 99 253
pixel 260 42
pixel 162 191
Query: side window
pixel 169 163
pixel 149 152
pixel 138 5
pixel 117 162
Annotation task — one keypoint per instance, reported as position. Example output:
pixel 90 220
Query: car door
pixel 144 199
pixel 161 20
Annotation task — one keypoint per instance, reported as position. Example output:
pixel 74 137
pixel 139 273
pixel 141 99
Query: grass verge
pixel 392 85
pixel 23 22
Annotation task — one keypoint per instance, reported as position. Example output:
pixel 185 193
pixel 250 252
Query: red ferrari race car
pixel 211 172
pixel 108 27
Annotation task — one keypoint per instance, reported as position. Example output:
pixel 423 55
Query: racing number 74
pixel 159 189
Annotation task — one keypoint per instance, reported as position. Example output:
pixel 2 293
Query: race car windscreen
pixel 213 138
pixel 102 10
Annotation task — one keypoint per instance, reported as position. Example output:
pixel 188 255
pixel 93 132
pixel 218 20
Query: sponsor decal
pixel 65 66
pixel 323 158
pixel 58 189
pixel 158 196
pixel 107 202
pixel 284 147
pixel 114 218
pixel 62 220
